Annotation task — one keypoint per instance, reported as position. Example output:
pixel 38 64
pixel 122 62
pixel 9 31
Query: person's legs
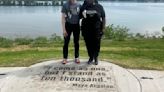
pixel 66 41
pixel 89 44
pixel 76 34
pixel 89 47
pixel 97 43
pixel 97 50
pixel 97 47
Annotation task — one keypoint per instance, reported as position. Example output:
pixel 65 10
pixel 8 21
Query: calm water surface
pixel 33 21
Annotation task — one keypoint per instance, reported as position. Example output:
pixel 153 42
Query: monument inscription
pixel 80 77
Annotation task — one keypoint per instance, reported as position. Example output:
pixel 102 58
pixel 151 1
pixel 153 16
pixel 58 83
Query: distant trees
pixel 163 31
pixel 6 2
pixel 31 2
pixel 57 2
pixel 16 2
pixel 135 0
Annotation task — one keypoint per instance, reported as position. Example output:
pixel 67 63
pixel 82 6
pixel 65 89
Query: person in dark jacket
pixel 92 26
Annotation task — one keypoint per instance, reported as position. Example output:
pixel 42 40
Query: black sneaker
pixel 90 61
pixel 96 61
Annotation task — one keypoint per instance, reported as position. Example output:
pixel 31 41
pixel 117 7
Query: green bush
pixel 40 42
pixel 5 43
pixel 139 36
pixel 109 33
pixel 23 41
pixel 118 33
pixel 55 38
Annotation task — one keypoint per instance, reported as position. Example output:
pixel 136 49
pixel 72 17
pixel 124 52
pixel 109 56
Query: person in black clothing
pixel 92 26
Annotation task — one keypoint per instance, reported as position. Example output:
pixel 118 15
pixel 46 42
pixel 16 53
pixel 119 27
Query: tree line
pixel 31 2
pixel 112 32
pixel 56 2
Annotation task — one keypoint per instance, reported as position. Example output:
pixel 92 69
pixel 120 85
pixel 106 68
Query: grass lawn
pixel 135 54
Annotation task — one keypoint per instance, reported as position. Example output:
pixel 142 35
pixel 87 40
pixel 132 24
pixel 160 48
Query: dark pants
pixel 92 39
pixel 75 28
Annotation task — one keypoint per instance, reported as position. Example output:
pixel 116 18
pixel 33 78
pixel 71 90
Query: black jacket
pixel 94 22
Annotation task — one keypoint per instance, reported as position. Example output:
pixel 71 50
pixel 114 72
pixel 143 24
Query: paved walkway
pixel 151 81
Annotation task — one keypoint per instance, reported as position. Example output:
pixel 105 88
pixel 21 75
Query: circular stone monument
pixel 52 76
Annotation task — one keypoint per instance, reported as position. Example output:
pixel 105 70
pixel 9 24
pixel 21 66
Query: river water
pixel 33 21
